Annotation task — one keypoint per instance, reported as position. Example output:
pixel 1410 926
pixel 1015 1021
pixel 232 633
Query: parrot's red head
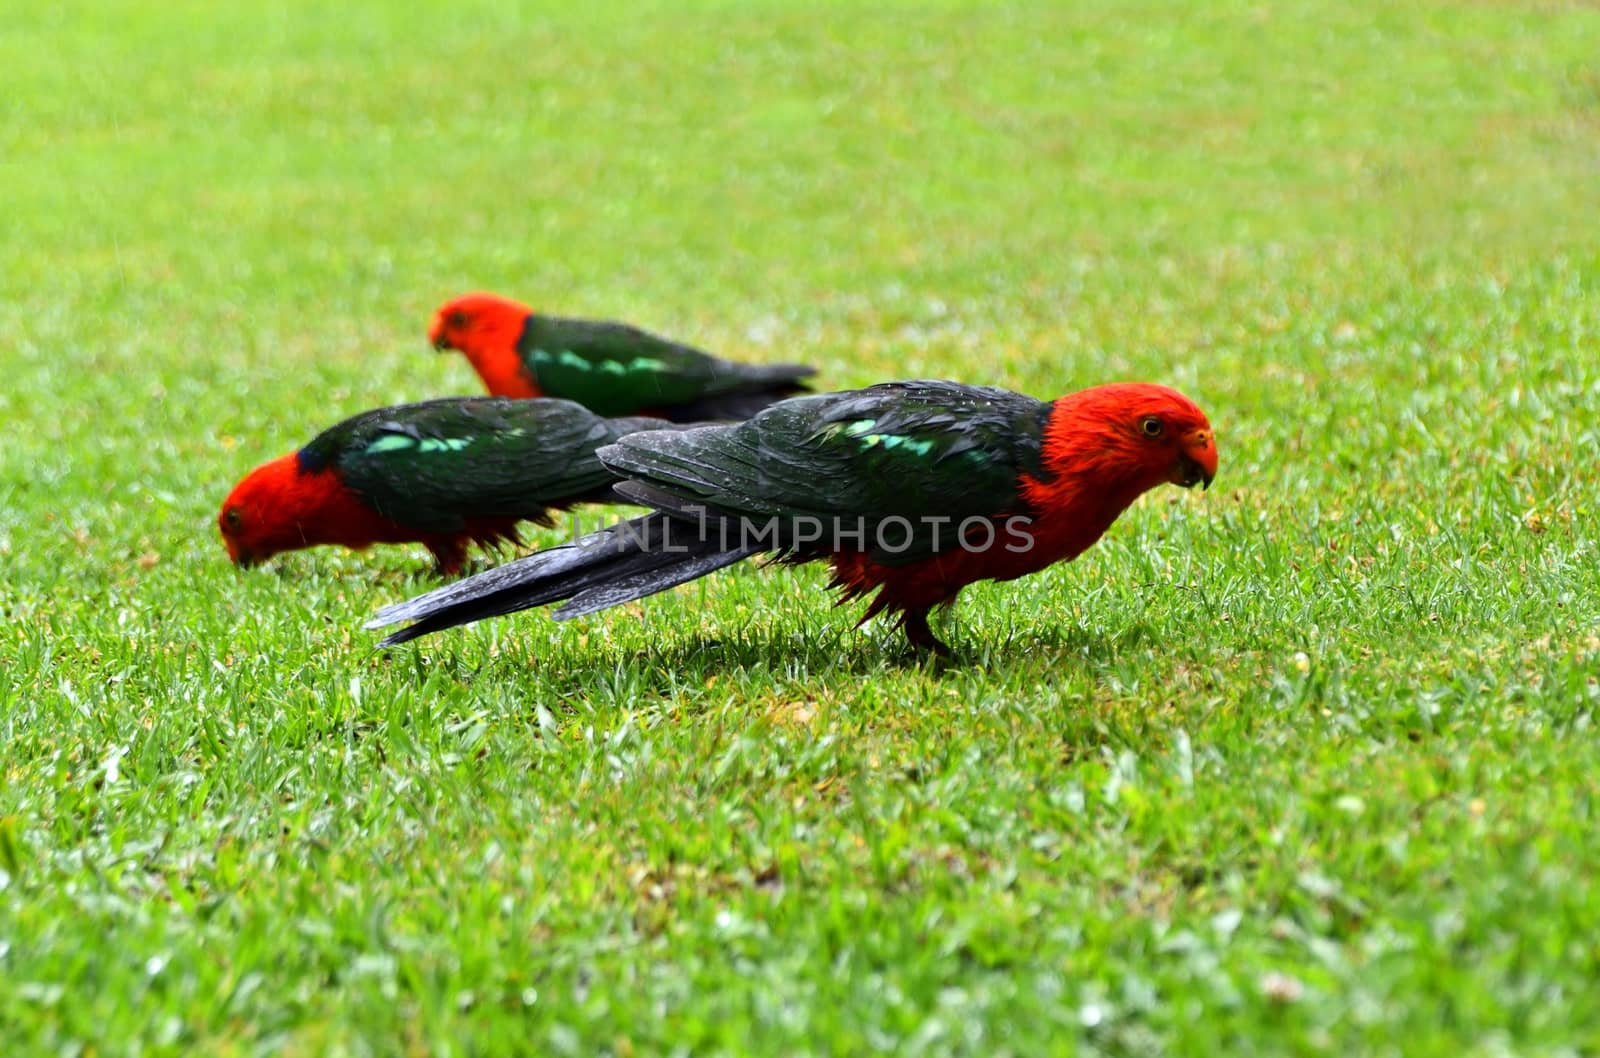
pixel 280 506
pixel 261 516
pixel 1126 438
pixel 485 328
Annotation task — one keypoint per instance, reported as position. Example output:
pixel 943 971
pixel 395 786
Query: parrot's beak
pixel 1197 465
pixel 436 336
pixel 1190 473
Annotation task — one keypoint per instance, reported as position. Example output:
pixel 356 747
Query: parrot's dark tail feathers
pixel 618 564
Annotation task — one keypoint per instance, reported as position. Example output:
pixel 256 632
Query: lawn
pixel 1305 764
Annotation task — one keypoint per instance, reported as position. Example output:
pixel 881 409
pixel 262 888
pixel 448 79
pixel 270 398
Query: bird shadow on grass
pixel 761 660
pixel 761 657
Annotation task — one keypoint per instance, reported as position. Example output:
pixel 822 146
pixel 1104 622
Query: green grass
pixel 1304 765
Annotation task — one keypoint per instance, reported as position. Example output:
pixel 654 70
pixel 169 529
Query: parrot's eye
pixel 456 320
pixel 1150 426
pixel 232 518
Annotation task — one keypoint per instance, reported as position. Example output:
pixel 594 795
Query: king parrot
pixel 444 473
pixel 609 368
pixel 910 489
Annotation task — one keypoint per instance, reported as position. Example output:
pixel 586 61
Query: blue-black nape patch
pixel 522 332
pixel 1035 444
pixel 309 461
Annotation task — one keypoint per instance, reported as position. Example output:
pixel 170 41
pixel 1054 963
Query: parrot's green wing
pixel 434 464
pixel 922 455
pixel 615 369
